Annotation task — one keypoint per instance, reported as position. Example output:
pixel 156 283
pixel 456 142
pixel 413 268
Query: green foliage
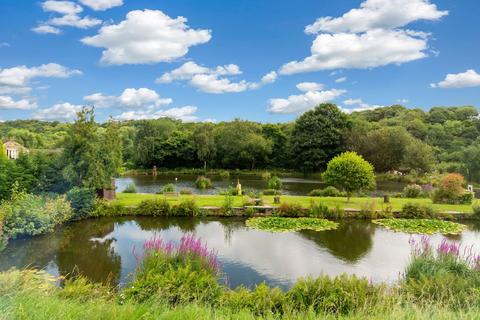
pixel 289 210
pixel 261 301
pixel 227 205
pixel 224 174
pixel 476 212
pixel 203 182
pixel 451 191
pixel 274 183
pixel 131 188
pixel 349 172
pixel 186 208
pixel 272 192
pixel 339 295
pixel 29 215
pixel 422 226
pixel 186 191
pixel 104 208
pixel 204 143
pixel 413 191
pixel 154 207
pixel 82 201
pixel 318 136
pixel 169 187
pixel 277 224
pixel 414 210
pixel 329 191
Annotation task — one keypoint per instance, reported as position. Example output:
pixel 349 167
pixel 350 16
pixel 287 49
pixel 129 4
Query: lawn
pixel 133 199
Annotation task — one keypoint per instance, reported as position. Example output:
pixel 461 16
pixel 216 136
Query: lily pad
pixel 276 224
pixel 422 226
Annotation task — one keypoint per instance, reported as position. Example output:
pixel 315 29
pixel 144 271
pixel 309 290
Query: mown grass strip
pixel 422 226
pixel 276 224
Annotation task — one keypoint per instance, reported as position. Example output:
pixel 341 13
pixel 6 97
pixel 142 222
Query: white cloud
pixel 73 20
pixel 340 80
pixel 63 7
pixel 214 80
pixel 184 113
pixel 61 112
pixel 7 102
pixel 46 29
pixel 378 14
pixel 130 98
pixel 147 36
pixel 469 78
pixel 14 90
pixel 367 50
pixel 21 75
pixel 299 103
pixel 101 5
pixel 310 86
pixel 359 106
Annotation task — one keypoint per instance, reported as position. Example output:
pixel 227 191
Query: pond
pixel 291 185
pixel 103 249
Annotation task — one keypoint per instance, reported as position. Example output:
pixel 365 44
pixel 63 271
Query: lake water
pixel 102 249
pixel 291 185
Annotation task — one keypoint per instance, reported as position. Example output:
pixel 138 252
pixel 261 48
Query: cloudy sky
pixel 264 60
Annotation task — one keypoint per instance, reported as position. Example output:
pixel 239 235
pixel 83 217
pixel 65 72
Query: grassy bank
pixel 129 199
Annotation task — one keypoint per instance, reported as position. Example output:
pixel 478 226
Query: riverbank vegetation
pixel 439 282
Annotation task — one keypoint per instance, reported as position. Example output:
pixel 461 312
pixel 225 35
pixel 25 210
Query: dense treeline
pixel 392 138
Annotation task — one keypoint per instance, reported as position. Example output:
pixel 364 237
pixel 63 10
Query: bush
pixel 203 183
pixel 327 192
pixel 131 188
pixel 289 210
pixel 451 191
pixel 227 205
pixel 82 201
pixel 274 183
pixel 416 210
pixel 266 175
pixel 186 208
pixel 230 191
pixel 154 207
pixel 224 174
pixel 272 192
pixel 339 295
pixel 186 191
pixel 170 187
pixel 30 215
pixel 413 191
pixel 261 301
pixel 319 210
pixel 103 208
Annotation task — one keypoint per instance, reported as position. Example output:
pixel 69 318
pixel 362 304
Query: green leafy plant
pixel 224 174
pixel 272 192
pixel 451 191
pixel 422 226
pixel 289 210
pixel 130 188
pixel 82 201
pixel 186 191
pixel 413 191
pixel 329 191
pixel 154 207
pixel 227 205
pixel 414 210
pixel 168 188
pixel 186 208
pixel 274 183
pixel 203 182
pixel 276 224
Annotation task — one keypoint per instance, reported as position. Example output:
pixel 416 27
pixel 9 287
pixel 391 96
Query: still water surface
pixel 102 249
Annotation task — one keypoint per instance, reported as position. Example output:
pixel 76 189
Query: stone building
pixel 14 149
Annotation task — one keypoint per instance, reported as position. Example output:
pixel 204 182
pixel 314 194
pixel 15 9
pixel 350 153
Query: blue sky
pixel 263 60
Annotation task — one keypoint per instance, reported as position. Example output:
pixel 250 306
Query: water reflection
pixel 102 249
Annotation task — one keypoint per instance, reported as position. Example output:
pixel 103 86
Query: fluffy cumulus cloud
pixel 101 5
pixel 130 98
pixel 46 29
pixel 310 86
pixel 378 14
pixel 296 104
pixel 469 78
pixel 146 36
pixel 7 102
pixel 214 80
pixel 60 112
pixel 186 114
pixel 368 37
pixel 354 105
pixel 21 75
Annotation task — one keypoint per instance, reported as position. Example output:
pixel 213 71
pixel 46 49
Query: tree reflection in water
pixel 350 242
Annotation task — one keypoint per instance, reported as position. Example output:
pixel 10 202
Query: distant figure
pixel 239 188
pixel 154 171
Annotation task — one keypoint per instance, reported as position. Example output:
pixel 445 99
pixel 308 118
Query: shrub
pixel 413 191
pixel 203 183
pixel 227 205
pixel 266 175
pixel 186 208
pixel 339 295
pixel 272 192
pixel 261 301
pixel 451 191
pixel 329 191
pixel 170 187
pixel 176 275
pixel 231 191
pixel 30 215
pixel 82 201
pixel 369 210
pixel 289 210
pixel 274 183
pixel 186 191
pixel 476 211
pixel 415 210
pixel 131 188
pixel 154 207
pixel 103 208
pixel 224 174
pixel 319 210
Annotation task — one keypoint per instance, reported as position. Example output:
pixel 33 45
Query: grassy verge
pixel 305 201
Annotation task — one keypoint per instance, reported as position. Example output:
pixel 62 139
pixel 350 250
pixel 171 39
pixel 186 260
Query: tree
pixel 418 156
pixel 319 135
pixel 4 173
pixel 204 141
pixel 349 172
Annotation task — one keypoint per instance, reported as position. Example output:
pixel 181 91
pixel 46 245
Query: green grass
pixel 276 224
pixel 422 226
pixel 304 201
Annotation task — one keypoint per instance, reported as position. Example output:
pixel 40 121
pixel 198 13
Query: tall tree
pixel 204 140
pixel 318 136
